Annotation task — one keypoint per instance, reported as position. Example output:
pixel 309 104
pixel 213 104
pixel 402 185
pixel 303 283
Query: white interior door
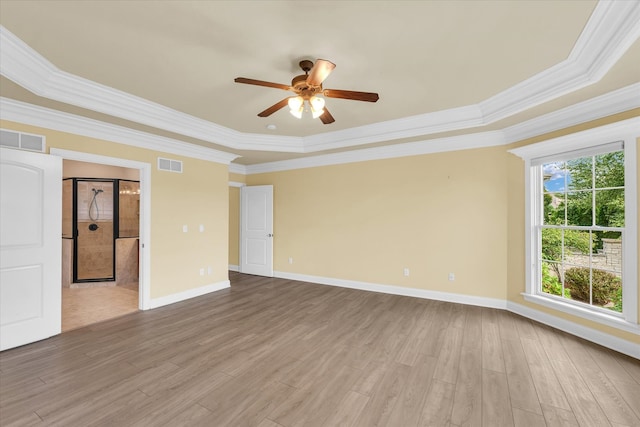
pixel 256 230
pixel 30 245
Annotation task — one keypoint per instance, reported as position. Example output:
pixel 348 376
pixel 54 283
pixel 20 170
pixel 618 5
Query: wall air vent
pixel 169 165
pixel 22 141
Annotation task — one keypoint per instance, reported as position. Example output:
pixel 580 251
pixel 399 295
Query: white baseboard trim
pixel 233 267
pixel 191 293
pixel 395 290
pixel 618 344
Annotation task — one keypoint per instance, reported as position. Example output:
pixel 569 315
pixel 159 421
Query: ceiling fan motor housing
pixel 299 84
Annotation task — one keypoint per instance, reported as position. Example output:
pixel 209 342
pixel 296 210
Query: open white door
pixel 30 244
pixel 256 230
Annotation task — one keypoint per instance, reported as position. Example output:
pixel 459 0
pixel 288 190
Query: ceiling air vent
pixel 21 141
pixel 169 165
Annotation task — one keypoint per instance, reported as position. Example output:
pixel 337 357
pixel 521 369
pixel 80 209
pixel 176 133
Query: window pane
pixel 552 244
pixel 606 290
pixel 553 208
pixel 578 280
pixel 610 208
pixel 608 253
pixel 551 283
pixel 579 208
pixel 553 176
pixel 609 170
pixel 577 244
pixel 580 173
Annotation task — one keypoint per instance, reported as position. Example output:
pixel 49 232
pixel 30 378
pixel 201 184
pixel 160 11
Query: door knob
pixel 269 235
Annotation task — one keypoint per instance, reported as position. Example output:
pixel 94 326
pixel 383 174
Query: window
pixel 580 228
pixel 582 224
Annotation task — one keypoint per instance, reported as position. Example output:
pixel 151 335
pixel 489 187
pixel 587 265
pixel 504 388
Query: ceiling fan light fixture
pixel 296 105
pixel 317 106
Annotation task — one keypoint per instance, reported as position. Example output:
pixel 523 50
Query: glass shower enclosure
pixel 96 212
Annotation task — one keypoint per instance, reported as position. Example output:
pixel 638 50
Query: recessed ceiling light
pixel 271 127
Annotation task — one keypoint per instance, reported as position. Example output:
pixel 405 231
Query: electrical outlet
pixel 290 260
pixel 185 228
pixel 452 277
pixel 406 271
pixel 201 228
pixel 210 270
pixel 202 271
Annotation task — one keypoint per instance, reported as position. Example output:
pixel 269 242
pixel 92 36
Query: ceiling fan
pixel 307 87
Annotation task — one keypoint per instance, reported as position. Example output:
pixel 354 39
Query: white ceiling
pixel 167 67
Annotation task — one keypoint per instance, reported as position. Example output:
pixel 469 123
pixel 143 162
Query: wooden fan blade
pixel 326 117
pixel 275 107
pixel 320 71
pixel 349 94
pixel 261 83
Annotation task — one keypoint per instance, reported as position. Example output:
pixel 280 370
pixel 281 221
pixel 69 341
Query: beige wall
pixel 433 214
pixel 200 195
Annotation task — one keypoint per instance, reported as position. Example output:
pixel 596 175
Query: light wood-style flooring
pixel 273 352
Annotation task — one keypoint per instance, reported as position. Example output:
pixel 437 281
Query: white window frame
pixel 627 131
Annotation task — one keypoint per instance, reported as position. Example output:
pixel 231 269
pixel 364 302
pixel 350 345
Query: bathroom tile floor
pixel 84 306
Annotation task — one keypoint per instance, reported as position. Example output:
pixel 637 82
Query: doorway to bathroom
pixel 100 242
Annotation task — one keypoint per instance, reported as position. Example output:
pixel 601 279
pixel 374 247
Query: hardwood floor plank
pixel 607 396
pixel 312 405
pixel 193 415
pixel 467 400
pixel 608 361
pixel 548 338
pixel 583 404
pixel 436 410
pixel 408 407
pixel 349 410
pixel 492 357
pixel 268 423
pixel 496 406
pixel 522 418
pixel 631 394
pixel 548 387
pixel 558 417
pixel 449 357
pixel 385 396
pixel 521 387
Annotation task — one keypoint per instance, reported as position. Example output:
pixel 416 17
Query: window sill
pixel 602 318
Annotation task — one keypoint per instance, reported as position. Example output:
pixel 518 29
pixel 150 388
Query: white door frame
pixel 144 284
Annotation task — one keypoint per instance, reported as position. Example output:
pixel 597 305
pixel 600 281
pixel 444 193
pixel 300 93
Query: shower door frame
pixel 116 207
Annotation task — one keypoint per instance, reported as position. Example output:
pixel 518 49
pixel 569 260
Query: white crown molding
pixel 611 29
pixel 618 101
pixel 614 102
pixel 21 112
pixel 462 142
pixel 239 169
pixel 579 140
